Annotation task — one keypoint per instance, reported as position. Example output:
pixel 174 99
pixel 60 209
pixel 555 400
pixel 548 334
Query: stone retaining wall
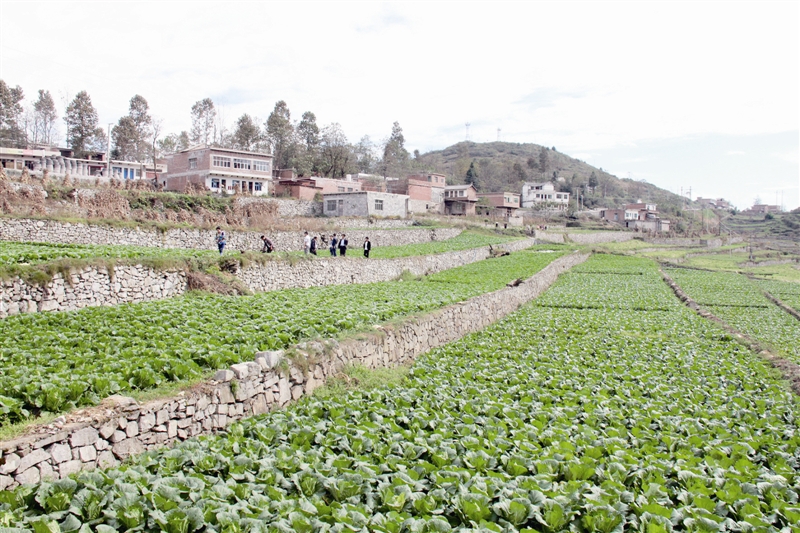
pixel 30 230
pixel 584 238
pixel 95 286
pixel 120 427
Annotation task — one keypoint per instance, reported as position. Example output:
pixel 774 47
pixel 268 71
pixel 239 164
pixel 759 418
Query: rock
pixel 28 477
pixel 116 400
pixel 118 436
pixel 46 472
pixel 224 393
pixel 127 448
pixel 10 463
pixel 297 392
pixel 70 467
pixel 106 460
pixel 132 429
pixel 87 453
pixel 240 370
pixel 270 358
pixel 146 422
pixel 108 429
pixel 285 391
pixel 172 429
pixel 223 375
pixel 32 459
pixel 60 453
pixel 83 437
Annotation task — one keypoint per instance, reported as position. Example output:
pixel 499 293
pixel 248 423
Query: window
pixel 331 205
pixel 261 166
pixel 349 189
pixel 378 205
pixel 257 186
pixel 461 193
pixel 243 164
pixel 215 183
pixel 429 178
pixel 340 189
pixel 223 183
pixel 222 162
pixel 193 163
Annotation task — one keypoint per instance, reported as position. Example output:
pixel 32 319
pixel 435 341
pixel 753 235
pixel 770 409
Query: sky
pixel 695 96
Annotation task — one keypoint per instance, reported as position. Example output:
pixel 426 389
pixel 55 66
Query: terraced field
pixel 560 418
pixel 740 302
pixel 787 292
pixel 51 362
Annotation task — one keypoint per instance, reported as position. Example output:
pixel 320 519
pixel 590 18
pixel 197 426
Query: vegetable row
pixel 55 361
pixel 555 419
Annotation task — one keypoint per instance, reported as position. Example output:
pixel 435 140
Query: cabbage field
pixel 739 302
pixel 562 417
pixel 785 291
pixel 51 362
pixel 12 253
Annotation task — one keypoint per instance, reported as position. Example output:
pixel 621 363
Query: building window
pixel 461 193
pixel 340 189
pixel 331 205
pixel 222 162
pixel 261 166
pixel 378 205
pixel 349 189
pixel 257 186
pixel 223 184
pixel 243 164
pixel 215 183
pixel 193 163
pixel 429 178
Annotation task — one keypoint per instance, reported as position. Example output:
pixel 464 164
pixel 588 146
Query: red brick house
pixel 218 170
pixel 460 199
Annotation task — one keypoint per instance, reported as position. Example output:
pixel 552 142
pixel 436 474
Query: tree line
pixel 301 145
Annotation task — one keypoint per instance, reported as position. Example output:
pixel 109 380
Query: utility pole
pixel 108 152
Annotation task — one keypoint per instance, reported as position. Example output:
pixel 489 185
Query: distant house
pixel 543 195
pixel 763 209
pixel 460 199
pixel 714 203
pixel 61 161
pixel 308 188
pixel 365 203
pixel 425 191
pixel 639 216
pixel 499 204
pixel 219 170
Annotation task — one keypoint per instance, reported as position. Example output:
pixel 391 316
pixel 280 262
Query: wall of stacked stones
pixel 120 427
pixel 584 238
pixel 29 230
pixel 96 286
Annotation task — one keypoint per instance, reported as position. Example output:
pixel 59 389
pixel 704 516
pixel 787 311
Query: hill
pixel 780 226
pixel 503 166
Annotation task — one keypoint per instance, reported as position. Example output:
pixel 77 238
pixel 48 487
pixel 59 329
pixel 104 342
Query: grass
pixel 355 376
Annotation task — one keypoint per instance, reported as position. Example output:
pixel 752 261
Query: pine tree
pixel 203 116
pixel 83 133
pixel 472 176
pixel 45 115
pixel 280 133
pixel 11 131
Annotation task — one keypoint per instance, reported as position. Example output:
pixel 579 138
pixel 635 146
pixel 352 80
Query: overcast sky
pixel 680 94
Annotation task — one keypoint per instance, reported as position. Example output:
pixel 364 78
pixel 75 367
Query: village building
pixel 638 216
pixel 502 205
pixel 365 204
pixel 762 209
pixel 714 203
pixel 309 188
pixel 538 195
pixel 59 162
pixel 219 170
pixel 460 199
pixel 425 191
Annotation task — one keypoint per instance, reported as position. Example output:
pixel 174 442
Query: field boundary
pixel 789 370
pixel 120 427
pixel 98 286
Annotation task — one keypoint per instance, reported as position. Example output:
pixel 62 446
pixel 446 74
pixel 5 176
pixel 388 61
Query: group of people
pixel 312 244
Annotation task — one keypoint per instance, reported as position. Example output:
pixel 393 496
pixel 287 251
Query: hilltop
pixel 504 166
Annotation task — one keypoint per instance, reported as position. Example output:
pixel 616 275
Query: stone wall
pixel 584 238
pixel 120 427
pixel 340 271
pixel 95 286
pixel 29 230
pixel 91 286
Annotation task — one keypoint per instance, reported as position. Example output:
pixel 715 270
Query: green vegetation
pixel 36 253
pixel 50 362
pixel 787 292
pixel 740 303
pixel 464 241
pixel 556 419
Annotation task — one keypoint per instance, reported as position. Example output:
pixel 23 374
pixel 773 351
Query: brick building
pixel 498 204
pixel 218 170
pixel 460 199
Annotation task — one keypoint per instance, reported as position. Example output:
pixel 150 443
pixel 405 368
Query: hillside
pixel 505 166
pixel 781 226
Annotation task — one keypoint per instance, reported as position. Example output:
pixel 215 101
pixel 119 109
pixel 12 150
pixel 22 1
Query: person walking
pixel 367 246
pixel 221 240
pixel 343 245
pixel 313 246
pixel 267 245
pixel 306 243
pixel 334 242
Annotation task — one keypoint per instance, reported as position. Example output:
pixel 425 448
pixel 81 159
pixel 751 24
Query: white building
pixel 543 195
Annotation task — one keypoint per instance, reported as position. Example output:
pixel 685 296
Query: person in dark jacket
pixel 343 245
pixel 312 248
pixel 267 245
pixel 367 246
pixel 333 245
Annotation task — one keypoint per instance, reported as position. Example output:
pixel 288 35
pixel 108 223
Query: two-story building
pixel 537 195
pixel 308 188
pixel 460 199
pixel 638 216
pixel 498 204
pixel 425 191
pixel 219 170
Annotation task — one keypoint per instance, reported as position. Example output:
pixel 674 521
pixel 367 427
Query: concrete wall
pixel 94 286
pixel 120 427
